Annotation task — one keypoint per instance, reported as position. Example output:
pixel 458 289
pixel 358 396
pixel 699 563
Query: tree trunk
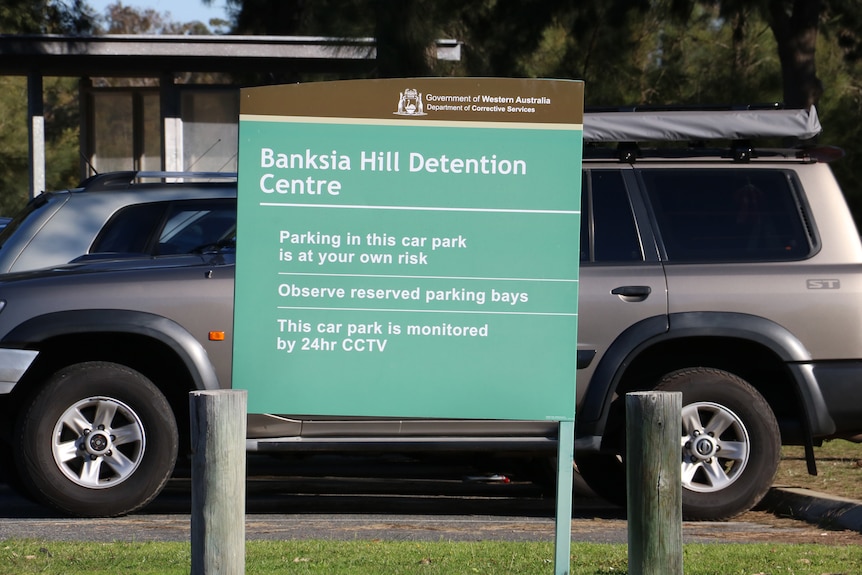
pixel 796 34
pixel 405 37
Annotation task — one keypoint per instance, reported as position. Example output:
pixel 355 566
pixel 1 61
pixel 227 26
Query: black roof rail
pixel 739 152
pixel 108 178
pixel 124 179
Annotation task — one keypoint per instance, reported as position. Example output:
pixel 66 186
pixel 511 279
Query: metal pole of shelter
pixel 36 133
pixel 172 124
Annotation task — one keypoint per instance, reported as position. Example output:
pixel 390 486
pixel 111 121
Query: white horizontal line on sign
pixel 458 311
pixel 513 125
pixel 429 277
pixel 418 208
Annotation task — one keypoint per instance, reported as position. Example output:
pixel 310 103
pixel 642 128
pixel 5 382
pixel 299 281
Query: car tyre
pixel 731 443
pixel 605 475
pixel 98 440
pixel 731 446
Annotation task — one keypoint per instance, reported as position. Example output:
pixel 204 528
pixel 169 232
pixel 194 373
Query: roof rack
pixel 698 124
pixel 114 180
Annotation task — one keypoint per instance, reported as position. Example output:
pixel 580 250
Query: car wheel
pixel 98 440
pixel 731 447
pixel 731 444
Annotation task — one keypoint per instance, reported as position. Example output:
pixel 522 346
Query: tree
pixel 14 158
pixel 405 30
pixel 45 17
pixel 122 19
pixel 795 26
pixel 60 104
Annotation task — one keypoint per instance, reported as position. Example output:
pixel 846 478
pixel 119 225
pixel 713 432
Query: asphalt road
pixel 388 499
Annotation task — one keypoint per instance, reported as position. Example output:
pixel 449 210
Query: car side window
pixel 608 230
pixel 130 230
pixel 193 227
pixel 739 215
pixel 167 228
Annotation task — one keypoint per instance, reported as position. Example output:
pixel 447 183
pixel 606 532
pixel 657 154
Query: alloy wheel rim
pixel 715 447
pixel 98 442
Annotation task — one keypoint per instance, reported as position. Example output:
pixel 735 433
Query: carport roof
pixel 163 56
pixel 151 55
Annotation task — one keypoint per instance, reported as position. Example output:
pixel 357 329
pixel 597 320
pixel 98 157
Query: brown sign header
pixel 421 99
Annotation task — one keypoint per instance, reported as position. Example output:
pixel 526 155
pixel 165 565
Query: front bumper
pixel 14 363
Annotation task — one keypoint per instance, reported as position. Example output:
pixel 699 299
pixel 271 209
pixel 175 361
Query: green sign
pixel 409 248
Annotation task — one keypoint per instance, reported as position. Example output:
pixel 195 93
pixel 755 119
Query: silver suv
pixel 729 274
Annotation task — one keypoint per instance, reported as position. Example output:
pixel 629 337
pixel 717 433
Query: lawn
pixel 435 558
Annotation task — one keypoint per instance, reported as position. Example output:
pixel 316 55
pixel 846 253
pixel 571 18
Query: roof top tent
pixel 629 127
pixel 162 57
pixel 694 125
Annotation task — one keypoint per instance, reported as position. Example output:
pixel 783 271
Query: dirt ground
pixel 785 530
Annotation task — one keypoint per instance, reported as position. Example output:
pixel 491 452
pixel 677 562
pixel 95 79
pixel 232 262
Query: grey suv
pixel 132 213
pixel 729 274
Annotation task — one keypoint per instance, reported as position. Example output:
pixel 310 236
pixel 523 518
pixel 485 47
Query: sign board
pixel 409 248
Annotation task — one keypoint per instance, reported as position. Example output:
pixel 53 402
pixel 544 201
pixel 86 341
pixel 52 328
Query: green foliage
pixel 61 139
pixel 60 103
pixel 44 17
pixel 14 159
pixel 844 24
pixel 21 16
pixel 635 54
pixel 840 109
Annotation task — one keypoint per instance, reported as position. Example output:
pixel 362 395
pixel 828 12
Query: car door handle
pixel 632 293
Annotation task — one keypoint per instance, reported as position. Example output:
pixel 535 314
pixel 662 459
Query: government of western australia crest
pixel 410 103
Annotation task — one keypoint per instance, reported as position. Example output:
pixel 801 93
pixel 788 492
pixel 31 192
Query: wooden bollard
pixel 654 482
pixel 218 427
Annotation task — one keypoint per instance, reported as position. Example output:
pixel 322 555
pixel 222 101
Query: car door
pixel 622 281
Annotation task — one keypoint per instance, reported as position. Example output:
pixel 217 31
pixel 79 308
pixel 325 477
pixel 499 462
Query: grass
pixel 839 469
pixel 439 558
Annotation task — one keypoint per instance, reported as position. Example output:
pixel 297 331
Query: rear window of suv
pixel 724 215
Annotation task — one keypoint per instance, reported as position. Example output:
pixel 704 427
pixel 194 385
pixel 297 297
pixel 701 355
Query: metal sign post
pixel 563 526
